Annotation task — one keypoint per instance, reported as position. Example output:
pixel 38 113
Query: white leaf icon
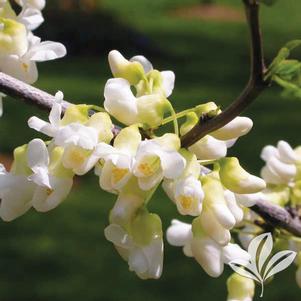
pixel 243 268
pixel 265 251
pixel 259 268
pixel 265 242
pixel 279 262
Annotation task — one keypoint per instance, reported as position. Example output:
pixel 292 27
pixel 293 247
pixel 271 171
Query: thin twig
pixel 31 95
pixel 278 217
pixel 254 87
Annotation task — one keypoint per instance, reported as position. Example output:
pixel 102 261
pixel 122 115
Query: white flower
pixel 215 145
pixel 249 200
pixel 45 199
pixel 13 40
pixel 146 261
pixel 30 14
pixel 118 159
pixel 52 127
pixel 137 236
pixel 23 66
pixel 179 234
pixel 38 161
pixel 186 191
pixel 238 180
pixel 209 148
pixel 234 206
pixel 210 255
pixel 236 128
pixel 77 133
pixel 240 288
pixel 121 103
pixel 152 89
pixel 217 217
pixel 157 159
pixel 49 194
pixel 31 17
pixel 53 181
pixel 280 165
pixel 16 191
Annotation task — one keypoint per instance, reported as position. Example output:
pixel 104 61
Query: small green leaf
pixel 288 69
pixel 278 62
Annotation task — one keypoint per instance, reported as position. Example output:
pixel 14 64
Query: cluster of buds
pixel 282 174
pixel 201 181
pixel 20 49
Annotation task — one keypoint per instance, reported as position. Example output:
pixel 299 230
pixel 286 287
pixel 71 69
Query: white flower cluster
pixel 20 49
pixel 132 164
pixel 282 174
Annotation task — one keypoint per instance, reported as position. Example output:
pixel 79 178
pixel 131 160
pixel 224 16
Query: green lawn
pixel 63 255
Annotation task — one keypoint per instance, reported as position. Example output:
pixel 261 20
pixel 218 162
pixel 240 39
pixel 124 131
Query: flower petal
pixel 146 64
pixel 208 254
pixel 168 82
pixel 46 199
pixel 179 233
pixel 16 199
pixel 118 236
pixel 46 51
pixel 238 127
pixel 120 101
pixel 209 148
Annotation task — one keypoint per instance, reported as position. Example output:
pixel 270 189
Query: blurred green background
pixel 63 255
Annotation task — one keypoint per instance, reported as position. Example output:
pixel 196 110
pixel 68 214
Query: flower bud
pixel 6 11
pixel 239 126
pixel 145 227
pixel 209 255
pixel 205 108
pixel 236 179
pixel 179 233
pixel 20 165
pixel 13 37
pixel 169 141
pixel 56 167
pixel 103 124
pixel 240 288
pixel 286 153
pixel 133 72
pixel 76 113
pixel 146 64
pixel 151 109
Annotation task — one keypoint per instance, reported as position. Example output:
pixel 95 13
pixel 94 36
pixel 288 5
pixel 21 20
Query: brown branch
pixel 29 94
pixel 253 88
pixel 278 217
